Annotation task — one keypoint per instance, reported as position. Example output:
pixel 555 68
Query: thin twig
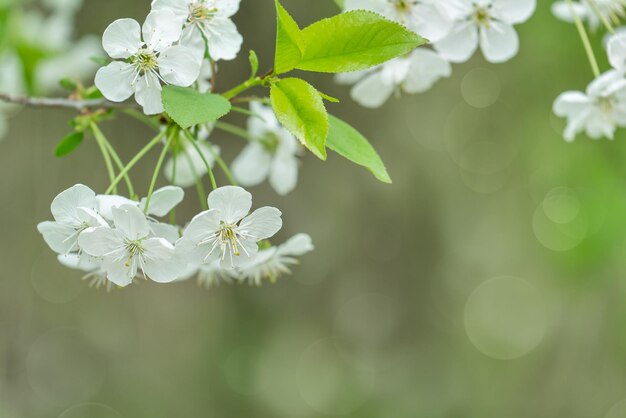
pixel 59 102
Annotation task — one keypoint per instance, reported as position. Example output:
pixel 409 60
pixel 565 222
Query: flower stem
pixel 157 171
pixel 173 182
pixel 257 81
pixel 139 116
pixel 602 18
pixel 199 187
pixel 135 160
pixel 191 139
pixel 585 40
pixel 223 167
pixel 105 154
pixel 232 129
pixel 116 159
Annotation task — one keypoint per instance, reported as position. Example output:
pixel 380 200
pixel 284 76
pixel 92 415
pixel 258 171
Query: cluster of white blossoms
pixel 116 240
pixel 456 29
pixel 601 108
pixel 177 40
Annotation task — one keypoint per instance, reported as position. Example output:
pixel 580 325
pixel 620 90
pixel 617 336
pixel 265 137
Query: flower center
pixel 270 142
pixel 605 104
pixel 227 236
pixel 482 16
pixel 133 248
pixel 403 6
pixel 145 60
pixel 199 12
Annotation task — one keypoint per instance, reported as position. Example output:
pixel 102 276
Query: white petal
pixel 226 8
pixel 120 272
pixel 499 42
pixel 351 78
pixel 161 29
pixel 60 238
pixel 284 174
pixel 233 202
pixel 563 11
pixel 616 50
pixel 115 81
pixel 160 263
pixel 223 38
pixel 570 104
pixel 372 91
pixel 431 23
pixel 460 44
pixel 148 94
pixel 263 223
pixel 193 39
pixel 248 250
pixel 297 245
pixel 599 86
pixel 251 167
pixel 202 225
pixel 65 206
pixel 105 204
pixel 163 200
pixel 178 66
pixel 131 222
pixel 122 39
pixel 79 262
pixel 427 67
pixel 514 11
pixel 180 8
pixel 167 231
pixel 99 242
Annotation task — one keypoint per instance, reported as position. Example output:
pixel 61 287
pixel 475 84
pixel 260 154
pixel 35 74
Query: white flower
pixel 206 19
pixel 190 167
pixel 412 74
pixel 609 9
pixel 74 211
pixel 598 111
pixel 616 49
pixel 275 261
pixel 488 23
pixel 129 247
pixel 428 18
pixel 146 62
pixel 226 231
pixel 271 153
pixel 96 276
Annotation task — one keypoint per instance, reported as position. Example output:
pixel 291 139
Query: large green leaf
pixel 300 108
pixel 349 143
pixel 188 107
pixel 341 3
pixel 289 44
pixel 353 41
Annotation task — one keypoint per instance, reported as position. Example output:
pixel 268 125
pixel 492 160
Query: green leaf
pixel 69 144
pixel 254 63
pixel 68 84
pixel 329 98
pixel 349 143
pixel 187 107
pixel 353 41
pixel 300 108
pixel 341 3
pixel 289 45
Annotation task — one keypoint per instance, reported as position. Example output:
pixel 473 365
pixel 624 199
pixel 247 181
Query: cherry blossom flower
pixel 148 59
pixel 609 9
pixel 271 153
pixel 429 18
pixel 74 211
pixel 272 262
pixel 616 49
pixel 206 23
pixel 129 247
pixel 412 74
pixel 226 232
pixel 484 23
pixel 598 111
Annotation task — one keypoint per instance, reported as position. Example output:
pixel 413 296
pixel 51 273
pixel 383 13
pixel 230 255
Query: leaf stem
pixel 252 82
pixel 199 187
pixel 105 154
pixel 135 160
pixel 585 40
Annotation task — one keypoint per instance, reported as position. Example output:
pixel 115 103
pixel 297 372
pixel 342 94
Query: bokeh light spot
pixel 506 318
pixel 481 87
pixel 618 410
pixel 90 410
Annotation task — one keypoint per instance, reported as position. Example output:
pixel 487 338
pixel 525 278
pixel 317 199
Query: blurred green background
pixel 487 281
